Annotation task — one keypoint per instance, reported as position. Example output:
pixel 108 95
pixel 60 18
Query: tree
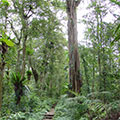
pixel 74 63
pixel 4 43
pixel 96 34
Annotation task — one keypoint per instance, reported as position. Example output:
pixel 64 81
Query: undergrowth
pixel 84 108
pixel 35 110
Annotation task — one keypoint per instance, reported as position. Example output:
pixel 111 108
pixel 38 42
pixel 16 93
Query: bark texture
pixel 3 50
pixel 74 63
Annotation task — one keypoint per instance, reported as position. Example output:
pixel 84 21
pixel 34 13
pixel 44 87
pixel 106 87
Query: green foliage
pixel 4 3
pixel 46 52
pixel 15 77
pixel 113 107
pixel 58 4
pixel 29 51
pixel 29 72
pixel 105 96
pixel 5 39
pixel 70 108
pixel 19 87
pixel 82 108
pixel 116 34
pixel 115 2
pixel 16 116
pixel 34 108
pixel 96 109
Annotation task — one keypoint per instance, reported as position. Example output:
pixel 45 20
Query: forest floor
pixel 49 115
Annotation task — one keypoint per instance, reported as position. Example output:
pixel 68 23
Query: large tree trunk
pixel 74 63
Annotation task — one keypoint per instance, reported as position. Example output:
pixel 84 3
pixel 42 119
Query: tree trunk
pixel 99 51
pixel 93 73
pixel 3 50
pixel 1 78
pixel 18 60
pixel 86 74
pixel 74 63
pixel 35 74
pixel 24 56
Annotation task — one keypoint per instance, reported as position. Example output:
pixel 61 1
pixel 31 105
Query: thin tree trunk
pixel 86 74
pixel 18 60
pixel 118 47
pixel 99 52
pixel 1 78
pixel 104 75
pixel 93 74
pixel 24 56
pixel 3 50
pixel 74 63
pixel 35 74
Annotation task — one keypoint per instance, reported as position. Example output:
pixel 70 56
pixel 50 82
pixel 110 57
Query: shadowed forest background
pixel 43 68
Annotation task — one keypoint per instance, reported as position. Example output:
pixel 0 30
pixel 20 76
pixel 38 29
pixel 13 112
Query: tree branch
pixel 15 33
pixel 78 2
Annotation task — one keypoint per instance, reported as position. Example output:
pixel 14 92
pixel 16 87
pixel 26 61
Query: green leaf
pixel 116 2
pixel 5 2
pixel 117 28
pixel 8 42
pixel 116 39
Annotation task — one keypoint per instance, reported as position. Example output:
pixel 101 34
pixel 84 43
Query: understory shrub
pixel 70 108
pixel 34 108
pixel 83 108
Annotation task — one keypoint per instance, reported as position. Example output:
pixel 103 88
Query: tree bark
pixel 24 56
pixel 3 50
pixel 74 63
pixel 18 60
pixel 93 73
pixel 86 74
pixel 35 74
pixel 1 78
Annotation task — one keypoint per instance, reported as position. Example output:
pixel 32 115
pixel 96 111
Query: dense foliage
pixel 38 69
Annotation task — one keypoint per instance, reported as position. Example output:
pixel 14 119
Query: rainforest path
pixel 49 115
